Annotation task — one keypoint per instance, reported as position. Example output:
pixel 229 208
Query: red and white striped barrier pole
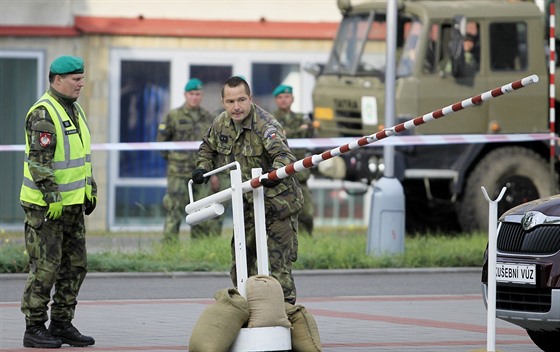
pixel 552 90
pixel 314 160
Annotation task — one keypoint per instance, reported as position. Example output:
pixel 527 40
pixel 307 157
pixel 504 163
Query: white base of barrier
pixel 276 338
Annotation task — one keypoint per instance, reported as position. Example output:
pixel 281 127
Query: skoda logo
pixel 532 219
pixel 527 221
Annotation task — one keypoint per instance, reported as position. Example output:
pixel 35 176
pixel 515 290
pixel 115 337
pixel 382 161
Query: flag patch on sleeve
pixel 45 139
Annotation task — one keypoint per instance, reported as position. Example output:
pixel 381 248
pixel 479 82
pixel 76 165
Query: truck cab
pixel 447 51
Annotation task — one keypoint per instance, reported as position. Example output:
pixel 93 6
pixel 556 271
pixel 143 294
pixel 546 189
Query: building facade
pixel 138 59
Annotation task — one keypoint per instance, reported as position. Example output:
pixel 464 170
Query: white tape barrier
pixel 312 143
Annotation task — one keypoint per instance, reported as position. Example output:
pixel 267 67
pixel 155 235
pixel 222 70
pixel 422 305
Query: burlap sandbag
pixel 220 323
pixel 305 333
pixel 266 302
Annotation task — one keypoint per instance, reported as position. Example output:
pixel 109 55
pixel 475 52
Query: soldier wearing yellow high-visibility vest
pixel 57 190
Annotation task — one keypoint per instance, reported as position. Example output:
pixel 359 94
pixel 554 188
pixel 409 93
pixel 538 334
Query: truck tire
pixel 525 173
pixel 548 341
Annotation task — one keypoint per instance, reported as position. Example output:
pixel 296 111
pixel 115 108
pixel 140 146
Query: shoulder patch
pixel 45 139
pixel 270 132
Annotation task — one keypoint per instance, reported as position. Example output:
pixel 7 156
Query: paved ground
pixel 362 323
pixel 365 323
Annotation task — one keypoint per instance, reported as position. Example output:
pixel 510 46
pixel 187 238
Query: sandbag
pixel 219 324
pixel 305 333
pixel 266 302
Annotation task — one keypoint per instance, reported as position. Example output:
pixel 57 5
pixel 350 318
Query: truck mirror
pixel 456 51
pixel 345 6
pixel 312 68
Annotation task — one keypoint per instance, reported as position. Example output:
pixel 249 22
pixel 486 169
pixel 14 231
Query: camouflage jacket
pixel 291 123
pixel 41 156
pixel 183 124
pixel 258 142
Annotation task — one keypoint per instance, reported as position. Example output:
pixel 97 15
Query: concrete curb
pixel 384 271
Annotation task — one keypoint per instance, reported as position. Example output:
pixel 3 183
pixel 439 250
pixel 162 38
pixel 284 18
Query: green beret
pixel 193 84
pixel 282 89
pixel 67 65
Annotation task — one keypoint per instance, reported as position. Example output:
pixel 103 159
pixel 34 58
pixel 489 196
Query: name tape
pixel 313 143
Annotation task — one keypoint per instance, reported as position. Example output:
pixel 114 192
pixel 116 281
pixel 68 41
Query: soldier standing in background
pixel 58 188
pixel 251 136
pixel 186 123
pixel 296 125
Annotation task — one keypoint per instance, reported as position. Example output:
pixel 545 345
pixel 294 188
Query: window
pixel 148 84
pixel 407 61
pixel 508 46
pixel 144 100
pixel 267 76
pixel 213 76
pixel 23 82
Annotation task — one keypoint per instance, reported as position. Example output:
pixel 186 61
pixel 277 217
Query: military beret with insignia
pixel 282 89
pixel 193 84
pixel 64 65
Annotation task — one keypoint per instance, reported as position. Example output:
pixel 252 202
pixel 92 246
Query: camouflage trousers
pixel 174 202
pixel 305 218
pixel 57 257
pixel 282 252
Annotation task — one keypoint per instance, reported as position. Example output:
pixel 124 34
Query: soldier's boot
pixel 37 336
pixel 68 334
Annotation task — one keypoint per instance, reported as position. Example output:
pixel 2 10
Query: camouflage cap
pixel 193 84
pixel 282 89
pixel 67 65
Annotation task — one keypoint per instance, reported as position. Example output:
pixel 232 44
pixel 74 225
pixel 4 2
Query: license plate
pixel 516 273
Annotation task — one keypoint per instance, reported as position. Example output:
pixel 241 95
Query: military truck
pixel 447 51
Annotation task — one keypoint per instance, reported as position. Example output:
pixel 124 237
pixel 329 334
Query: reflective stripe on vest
pixel 72 158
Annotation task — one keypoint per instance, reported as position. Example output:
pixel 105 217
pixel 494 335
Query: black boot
pixel 69 334
pixel 39 337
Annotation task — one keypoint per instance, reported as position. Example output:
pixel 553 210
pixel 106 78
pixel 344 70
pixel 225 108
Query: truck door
pixel 444 80
pixel 526 111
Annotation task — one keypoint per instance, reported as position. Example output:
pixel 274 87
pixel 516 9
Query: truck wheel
pixel 548 341
pixel 525 173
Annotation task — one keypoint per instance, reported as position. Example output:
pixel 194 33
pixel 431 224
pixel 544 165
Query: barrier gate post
pixel 273 338
pixel 492 249
pixel 208 207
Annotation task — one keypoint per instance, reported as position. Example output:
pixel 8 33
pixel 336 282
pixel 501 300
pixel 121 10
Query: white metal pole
pixel 260 226
pixel 390 74
pixel 492 249
pixel 239 231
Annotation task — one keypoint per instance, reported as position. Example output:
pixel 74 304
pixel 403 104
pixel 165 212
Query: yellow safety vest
pixel 72 157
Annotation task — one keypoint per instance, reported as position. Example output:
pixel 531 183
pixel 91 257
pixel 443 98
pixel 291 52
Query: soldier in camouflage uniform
pixel 251 136
pixel 296 125
pixel 57 189
pixel 186 123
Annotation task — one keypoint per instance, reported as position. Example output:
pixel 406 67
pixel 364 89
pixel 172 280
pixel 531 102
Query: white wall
pixel 62 12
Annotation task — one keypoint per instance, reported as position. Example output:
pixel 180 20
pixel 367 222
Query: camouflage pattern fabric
pixel 282 252
pixel 259 142
pixel 57 257
pixel 174 202
pixel 56 248
pixel 183 124
pixel 291 123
